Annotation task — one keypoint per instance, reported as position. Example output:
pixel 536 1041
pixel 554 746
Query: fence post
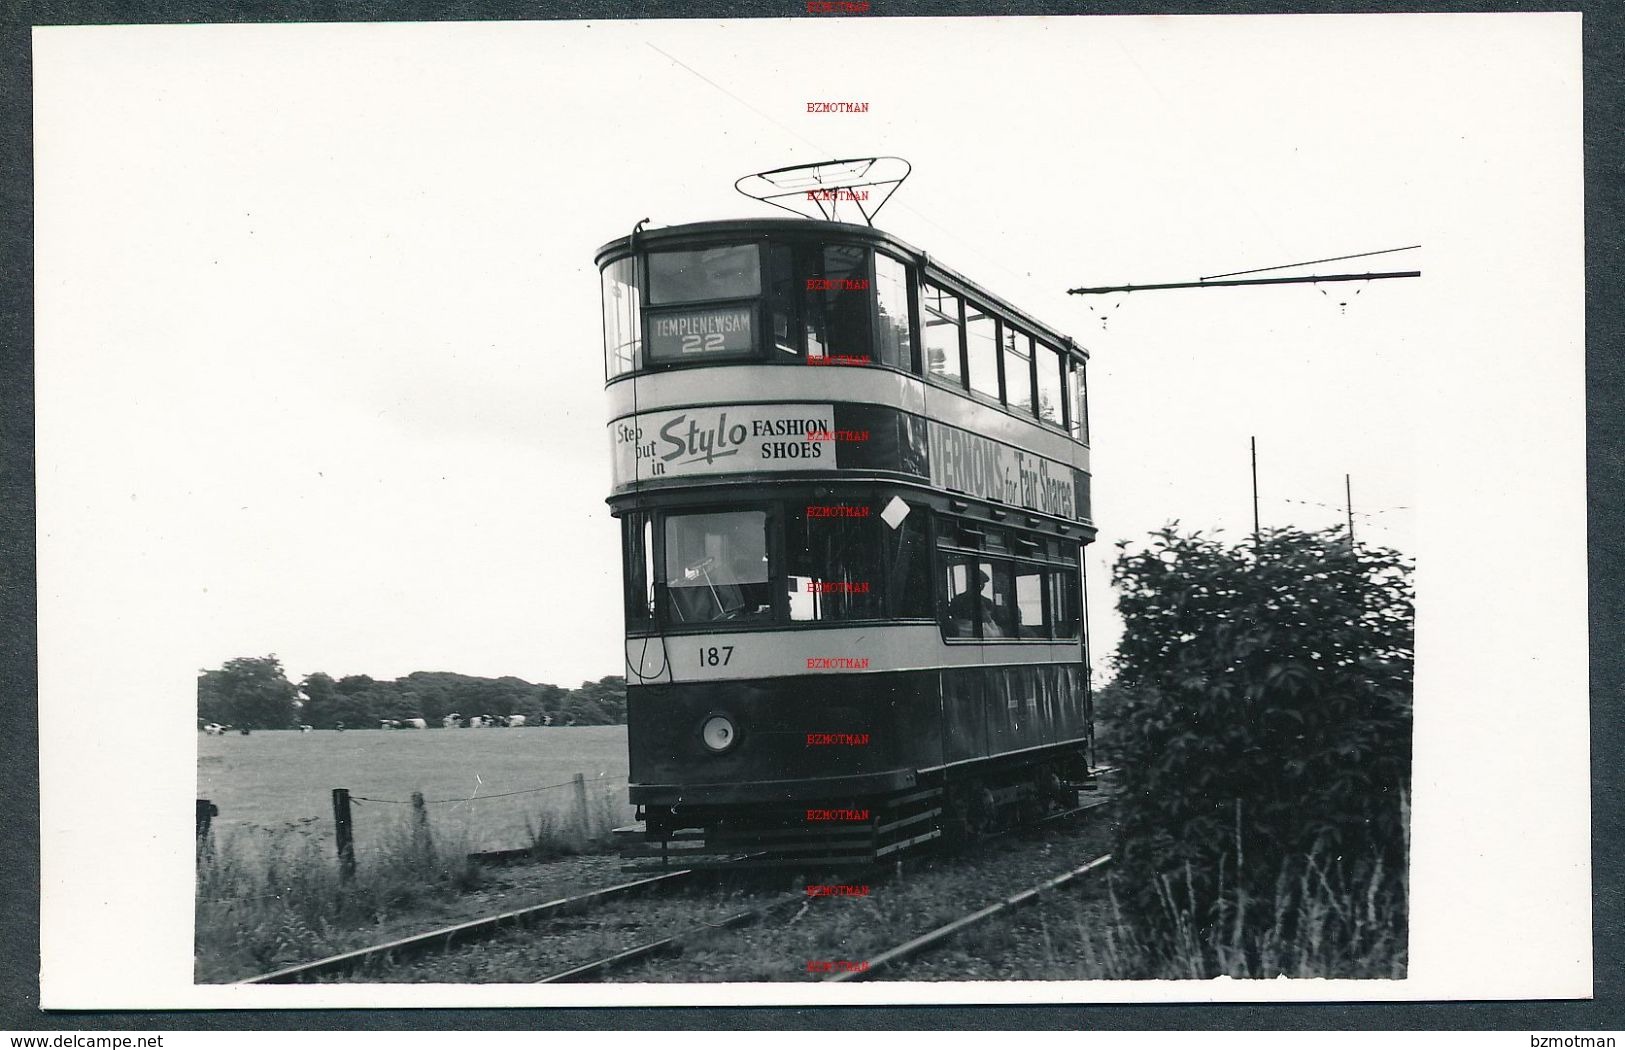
pixel 422 844
pixel 581 805
pixel 341 829
pixel 206 812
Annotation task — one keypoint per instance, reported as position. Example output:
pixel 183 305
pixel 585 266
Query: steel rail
pixel 926 941
pixel 463 933
pixel 598 969
pixel 1068 814
pixel 478 929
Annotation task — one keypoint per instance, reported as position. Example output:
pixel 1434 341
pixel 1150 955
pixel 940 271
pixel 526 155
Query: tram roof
pixel 733 229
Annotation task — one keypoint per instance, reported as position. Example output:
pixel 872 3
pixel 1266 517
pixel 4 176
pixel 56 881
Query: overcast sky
pixel 320 367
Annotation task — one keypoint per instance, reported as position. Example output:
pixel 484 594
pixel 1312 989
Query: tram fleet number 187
pixel 884 552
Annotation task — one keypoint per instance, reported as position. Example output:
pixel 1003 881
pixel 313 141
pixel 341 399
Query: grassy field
pixel 275 780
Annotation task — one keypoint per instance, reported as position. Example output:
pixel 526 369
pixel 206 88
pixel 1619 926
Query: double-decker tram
pixel 853 490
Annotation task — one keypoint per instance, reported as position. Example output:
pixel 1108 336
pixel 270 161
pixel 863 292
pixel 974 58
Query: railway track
pixel 674 944
pixel 466 933
pixel 463 935
pixel 927 941
pixel 599 969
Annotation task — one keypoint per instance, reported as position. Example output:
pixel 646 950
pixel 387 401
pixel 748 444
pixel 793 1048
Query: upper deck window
pixel 1078 409
pixel 1018 379
pixel 783 298
pixel 689 333
pixel 892 343
pixel 837 304
pixel 795 298
pixel 982 350
pixel 939 312
pixel 1048 360
pixel 623 322
pixel 700 274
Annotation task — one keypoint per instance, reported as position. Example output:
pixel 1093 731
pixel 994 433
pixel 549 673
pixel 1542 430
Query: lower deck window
pixel 964 596
pixel 637 538
pixel 1028 620
pixel 847 561
pixel 1033 593
pixel 717 568
pixel 832 568
pixel 907 561
pixel 1066 602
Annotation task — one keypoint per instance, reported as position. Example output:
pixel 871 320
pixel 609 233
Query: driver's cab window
pixel 832 566
pixel 717 568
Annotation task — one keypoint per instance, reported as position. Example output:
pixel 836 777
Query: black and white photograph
pixel 658 512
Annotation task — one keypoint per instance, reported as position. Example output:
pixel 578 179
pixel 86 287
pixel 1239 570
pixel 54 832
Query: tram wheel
pixel 1054 790
pixel 970 813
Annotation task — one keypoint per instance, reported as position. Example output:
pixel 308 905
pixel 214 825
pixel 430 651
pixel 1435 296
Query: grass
pixel 269 780
pixel 273 897
pixel 1318 923
pixel 269 893
pixel 560 833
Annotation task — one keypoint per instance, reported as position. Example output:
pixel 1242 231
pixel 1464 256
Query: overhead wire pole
pixel 1312 279
pixel 1253 442
pixel 1214 282
pixel 1348 494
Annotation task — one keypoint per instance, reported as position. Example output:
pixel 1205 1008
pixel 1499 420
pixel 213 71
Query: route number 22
pixel 702 344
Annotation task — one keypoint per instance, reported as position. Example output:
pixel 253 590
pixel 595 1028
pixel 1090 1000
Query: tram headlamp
pixel 719 733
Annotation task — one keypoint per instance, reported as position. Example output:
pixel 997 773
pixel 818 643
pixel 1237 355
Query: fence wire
pixel 482 798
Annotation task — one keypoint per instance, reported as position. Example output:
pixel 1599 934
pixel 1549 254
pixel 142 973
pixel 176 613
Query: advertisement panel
pixel 741 439
pixel 988 469
pixel 722 439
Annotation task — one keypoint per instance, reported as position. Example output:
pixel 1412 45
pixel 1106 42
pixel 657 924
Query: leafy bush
pixel 1264 713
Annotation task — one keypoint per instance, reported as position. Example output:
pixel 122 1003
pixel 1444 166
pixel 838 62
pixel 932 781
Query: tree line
pixel 254 692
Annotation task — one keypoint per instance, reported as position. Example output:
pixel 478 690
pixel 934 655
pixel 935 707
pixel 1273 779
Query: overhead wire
pixel 736 98
pixel 984 255
pixel 1311 262
pixel 1338 508
pixel 1192 136
pixel 979 252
